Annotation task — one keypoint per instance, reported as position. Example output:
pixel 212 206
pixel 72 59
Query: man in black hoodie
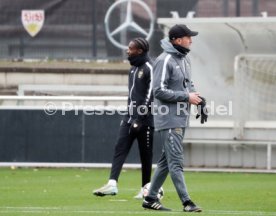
pixel 138 123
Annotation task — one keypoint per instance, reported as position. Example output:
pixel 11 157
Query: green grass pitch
pixel 69 192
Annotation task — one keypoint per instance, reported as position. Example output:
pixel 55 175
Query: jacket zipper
pixel 185 68
pixel 130 93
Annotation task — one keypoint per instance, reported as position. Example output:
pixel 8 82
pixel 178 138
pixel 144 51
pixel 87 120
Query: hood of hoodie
pixel 168 47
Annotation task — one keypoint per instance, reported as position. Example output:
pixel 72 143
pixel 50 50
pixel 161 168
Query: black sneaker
pixel 154 205
pixel 189 206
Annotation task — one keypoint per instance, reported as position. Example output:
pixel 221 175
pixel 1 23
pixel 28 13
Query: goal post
pixel 255 89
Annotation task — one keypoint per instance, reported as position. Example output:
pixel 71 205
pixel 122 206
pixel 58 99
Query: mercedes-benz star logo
pixel 129 23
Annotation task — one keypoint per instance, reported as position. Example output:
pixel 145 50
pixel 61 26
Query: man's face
pixel 133 50
pixel 185 41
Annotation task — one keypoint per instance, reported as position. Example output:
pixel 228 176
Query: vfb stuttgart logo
pixel 32 21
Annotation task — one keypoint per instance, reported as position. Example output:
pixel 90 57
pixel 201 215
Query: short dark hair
pixel 141 43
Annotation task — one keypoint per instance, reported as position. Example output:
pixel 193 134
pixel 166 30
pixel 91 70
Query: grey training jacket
pixel 171 86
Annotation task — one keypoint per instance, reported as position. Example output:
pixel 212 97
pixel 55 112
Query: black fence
pixel 76 29
pixel 34 136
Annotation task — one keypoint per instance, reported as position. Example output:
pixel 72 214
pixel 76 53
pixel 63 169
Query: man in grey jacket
pixel 174 92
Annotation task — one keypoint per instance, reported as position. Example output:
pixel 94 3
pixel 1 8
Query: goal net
pixel 255 88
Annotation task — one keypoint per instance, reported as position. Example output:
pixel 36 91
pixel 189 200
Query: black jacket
pixel 140 84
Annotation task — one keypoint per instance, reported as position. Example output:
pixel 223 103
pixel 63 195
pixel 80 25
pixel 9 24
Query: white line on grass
pixel 60 210
pixel 257 213
pixel 118 200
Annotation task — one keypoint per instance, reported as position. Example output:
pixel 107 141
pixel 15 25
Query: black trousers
pixel 123 145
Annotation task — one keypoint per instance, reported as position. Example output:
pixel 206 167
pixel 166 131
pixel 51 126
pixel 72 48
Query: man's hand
pixel 194 98
pixel 202 110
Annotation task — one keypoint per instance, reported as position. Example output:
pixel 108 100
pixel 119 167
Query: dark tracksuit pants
pixel 123 145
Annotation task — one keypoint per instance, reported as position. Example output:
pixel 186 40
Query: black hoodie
pixel 140 90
